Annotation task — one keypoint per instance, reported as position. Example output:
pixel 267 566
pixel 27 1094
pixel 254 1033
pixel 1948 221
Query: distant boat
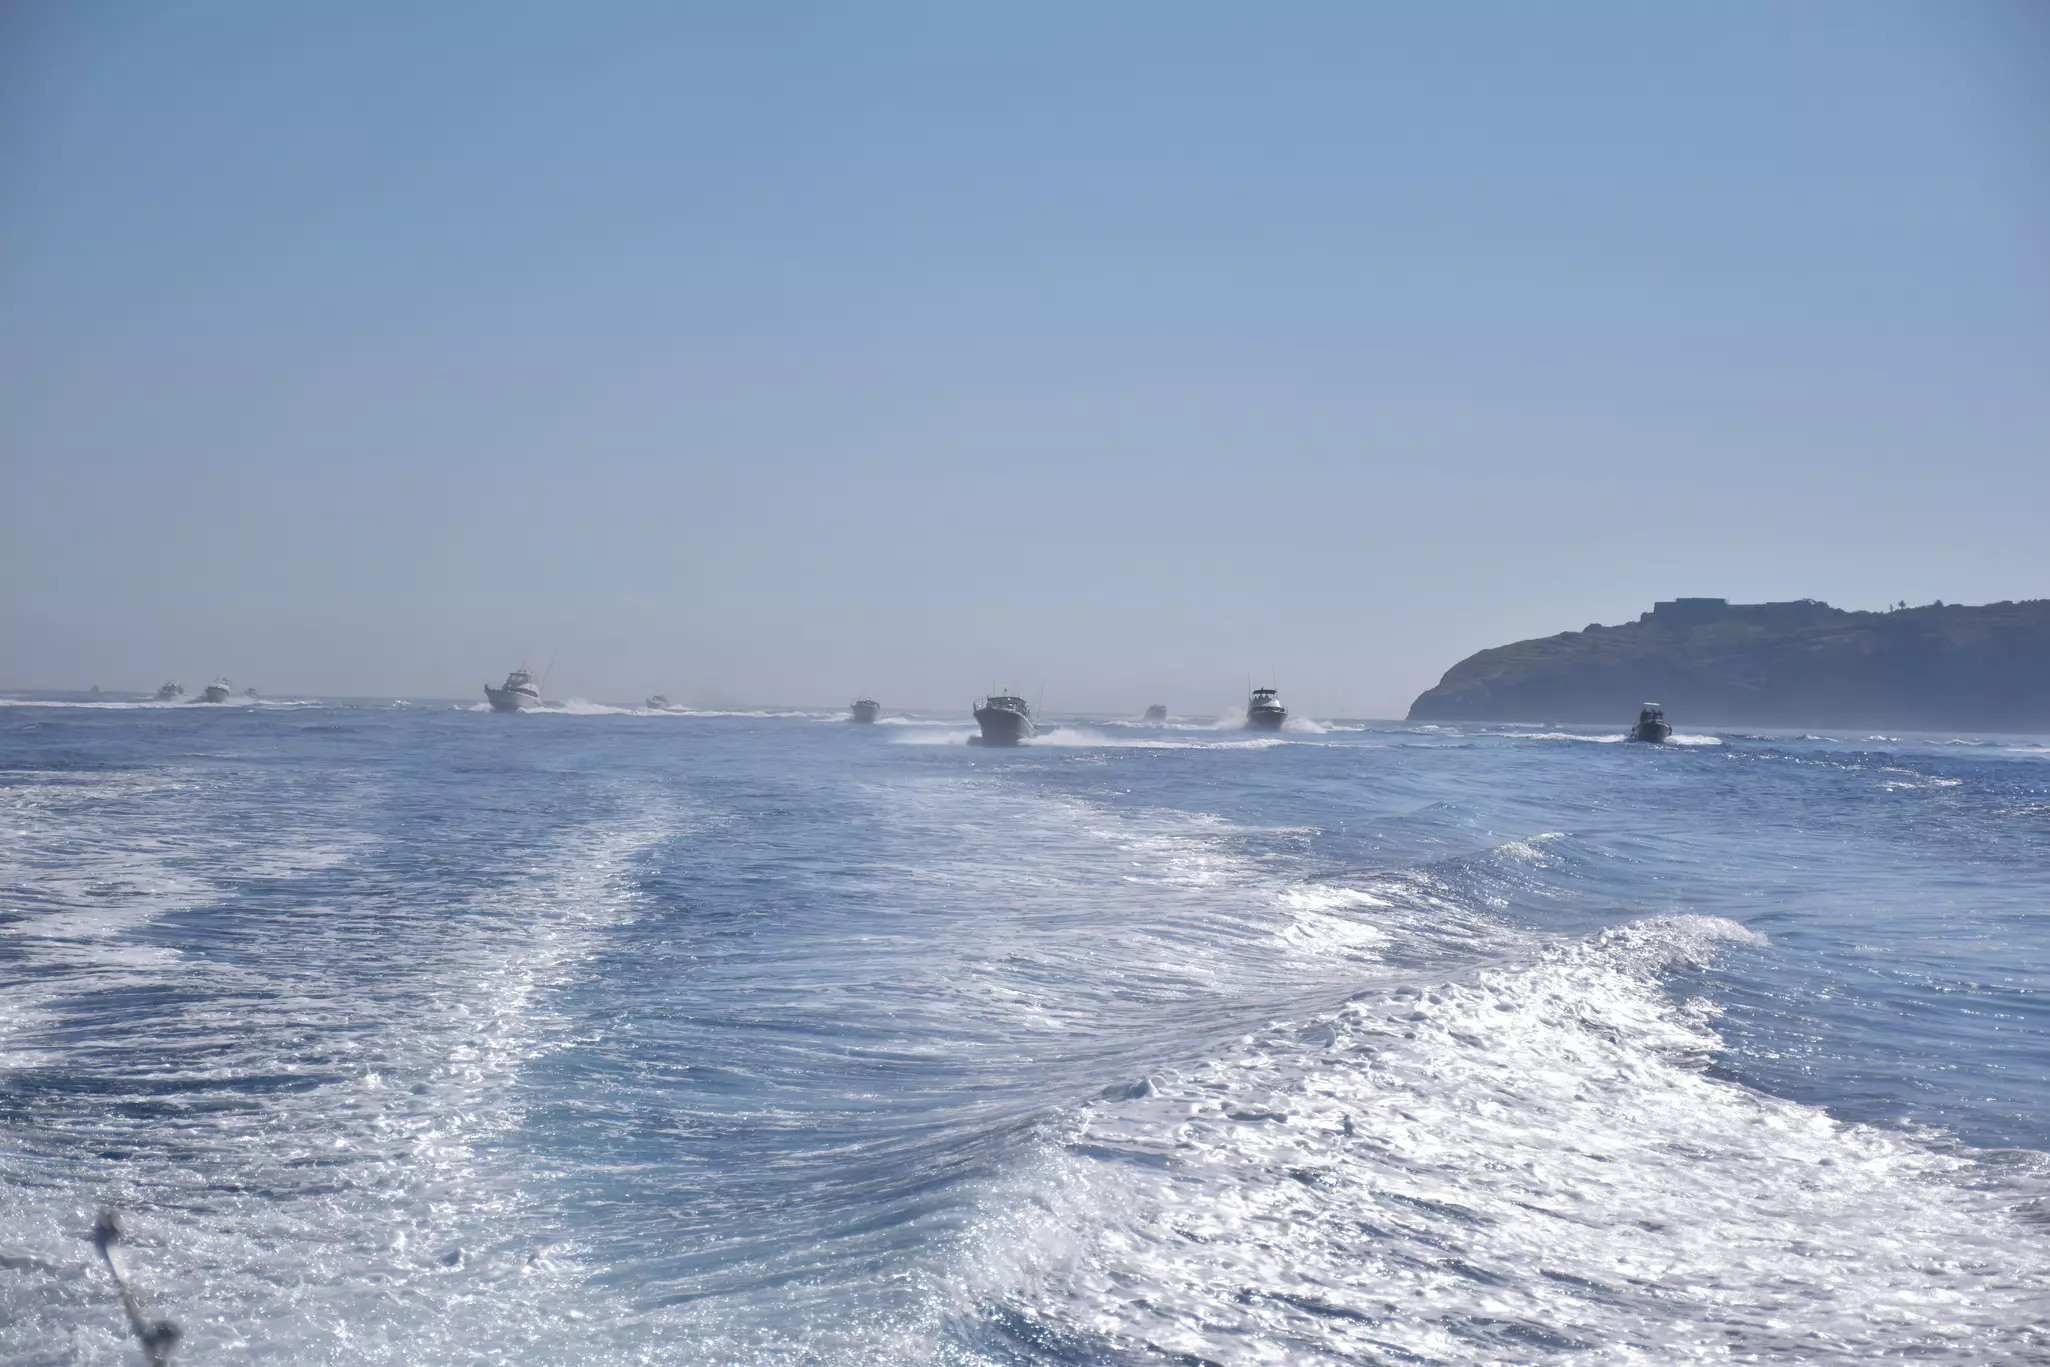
pixel 217 691
pixel 865 711
pixel 1157 712
pixel 1004 720
pixel 519 692
pixel 658 702
pixel 248 692
pixel 1265 712
pixel 171 691
pixel 1651 724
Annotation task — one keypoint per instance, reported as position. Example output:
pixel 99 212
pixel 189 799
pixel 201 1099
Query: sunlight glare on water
pixel 421 1035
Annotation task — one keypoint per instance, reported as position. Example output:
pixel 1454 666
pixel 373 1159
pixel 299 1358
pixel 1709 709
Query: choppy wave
pixel 1069 737
pixel 1677 738
pixel 1319 1189
pixel 316 1112
pixel 578 707
pixel 401 1044
pixel 154 705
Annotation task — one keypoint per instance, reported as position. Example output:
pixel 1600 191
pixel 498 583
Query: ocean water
pixel 415 1034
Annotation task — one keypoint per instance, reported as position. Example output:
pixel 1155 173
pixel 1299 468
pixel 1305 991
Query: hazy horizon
pixel 1116 358
pixel 1227 705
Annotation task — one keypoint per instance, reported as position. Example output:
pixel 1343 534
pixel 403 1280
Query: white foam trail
pixel 760 713
pixel 1082 737
pixel 369 1216
pixel 1526 1162
pixel 90 859
pixel 1195 915
pixel 951 736
pixel 579 707
pixel 1079 738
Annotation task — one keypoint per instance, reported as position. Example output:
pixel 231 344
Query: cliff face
pixel 1710 662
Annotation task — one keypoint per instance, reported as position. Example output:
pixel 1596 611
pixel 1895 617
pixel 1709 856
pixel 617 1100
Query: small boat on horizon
pixel 1157 712
pixel 657 702
pixel 171 692
pixel 1265 712
pixel 519 692
pixel 864 711
pixel 1651 724
pixel 218 691
pixel 1004 719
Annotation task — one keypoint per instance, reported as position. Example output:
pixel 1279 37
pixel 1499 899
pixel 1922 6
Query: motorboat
pixel 519 692
pixel 1004 719
pixel 220 690
pixel 171 691
pixel 1265 712
pixel 864 711
pixel 249 693
pixel 1651 724
pixel 1157 712
pixel 657 702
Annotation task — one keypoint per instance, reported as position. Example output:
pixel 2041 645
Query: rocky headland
pixel 1712 662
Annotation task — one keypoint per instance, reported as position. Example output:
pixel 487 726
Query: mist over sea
pixel 414 1034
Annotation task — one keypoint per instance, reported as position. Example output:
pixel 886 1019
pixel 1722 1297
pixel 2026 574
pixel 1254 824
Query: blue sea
pixel 414 1034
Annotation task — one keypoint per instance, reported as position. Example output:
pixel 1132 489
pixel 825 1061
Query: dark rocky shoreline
pixel 1805 663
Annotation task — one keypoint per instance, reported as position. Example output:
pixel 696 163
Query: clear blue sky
pixel 788 352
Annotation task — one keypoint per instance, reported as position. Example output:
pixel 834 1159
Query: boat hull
pixel 864 713
pixel 1652 733
pixel 1265 718
pixel 214 693
pixel 1002 726
pixel 507 700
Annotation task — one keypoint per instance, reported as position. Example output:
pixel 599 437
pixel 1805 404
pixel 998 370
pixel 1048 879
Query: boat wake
pixel 292 1142
pixel 1524 1161
pixel 1083 737
pixel 1068 737
pixel 814 1051
pixel 1677 738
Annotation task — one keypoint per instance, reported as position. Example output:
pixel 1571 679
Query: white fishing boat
pixel 1265 712
pixel 520 691
pixel 220 690
pixel 1652 726
pixel 1005 719
pixel 171 692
